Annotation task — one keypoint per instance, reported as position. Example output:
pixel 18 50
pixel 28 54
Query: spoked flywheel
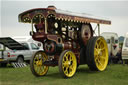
pixel 36 64
pixel 86 33
pixel 67 63
pixel 97 53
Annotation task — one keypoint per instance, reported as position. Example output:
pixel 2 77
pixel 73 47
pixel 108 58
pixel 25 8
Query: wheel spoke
pixel 102 60
pixel 71 67
pixel 66 70
pixel 39 69
pixel 96 52
pixel 35 67
pixel 66 57
pixel 65 63
pixel 70 58
pixel 100 42
pixel 97 46
pixel 37 57
pixel 99 63
pixel 102 49
pixel 96 57
pixel 43 69
pixel 102 57
pixel 37 63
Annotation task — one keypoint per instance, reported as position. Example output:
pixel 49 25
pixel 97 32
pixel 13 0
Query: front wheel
pixel 3 64
pixel 67 64
pixel 97 53
pixel 36 64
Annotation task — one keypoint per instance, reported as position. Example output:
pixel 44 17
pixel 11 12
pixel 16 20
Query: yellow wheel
pixel 97 53
pixel 67 63
pixel 36 64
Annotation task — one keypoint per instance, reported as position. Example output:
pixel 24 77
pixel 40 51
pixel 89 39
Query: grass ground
pixel 113 75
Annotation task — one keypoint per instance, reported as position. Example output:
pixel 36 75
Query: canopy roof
pixel 12 44
pixel 27 16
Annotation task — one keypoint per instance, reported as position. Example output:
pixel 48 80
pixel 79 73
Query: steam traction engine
pixel 67 39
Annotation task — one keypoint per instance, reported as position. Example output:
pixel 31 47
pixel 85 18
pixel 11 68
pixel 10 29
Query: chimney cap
pixel 51 7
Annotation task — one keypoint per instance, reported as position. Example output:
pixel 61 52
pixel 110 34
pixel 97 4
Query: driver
pixel 40 27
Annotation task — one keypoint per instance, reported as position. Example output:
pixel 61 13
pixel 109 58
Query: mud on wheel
pixel 67 64
pixel 97 53
pixel 36 64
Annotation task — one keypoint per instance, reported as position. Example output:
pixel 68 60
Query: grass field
pixel 113 75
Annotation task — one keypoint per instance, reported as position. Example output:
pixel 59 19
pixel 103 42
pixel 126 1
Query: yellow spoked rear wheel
pixel 97 54
pixel 36 64
pixel 101 54
pixel 67 63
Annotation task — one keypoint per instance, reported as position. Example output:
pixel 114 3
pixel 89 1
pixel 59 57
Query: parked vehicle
pixel 13 51
pixel 1 47
pixel 113 46
pixel 68 41
pixel 125 49
pixel 23 39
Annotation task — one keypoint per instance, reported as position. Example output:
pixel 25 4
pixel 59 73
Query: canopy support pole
pixel 45 25
pixel 32 27
pixel 98 29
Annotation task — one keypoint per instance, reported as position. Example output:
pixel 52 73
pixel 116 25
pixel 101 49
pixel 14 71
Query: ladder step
pixel 18 65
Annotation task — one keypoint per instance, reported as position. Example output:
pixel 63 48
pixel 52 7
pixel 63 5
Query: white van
pixel 125 49
pixel 17 49
pixel 113 45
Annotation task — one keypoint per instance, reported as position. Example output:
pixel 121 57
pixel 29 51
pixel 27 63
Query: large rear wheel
pixel 97 53
pixel 67 64
pixel 36 64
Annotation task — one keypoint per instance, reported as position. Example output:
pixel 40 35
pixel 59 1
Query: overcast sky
pixel 116 11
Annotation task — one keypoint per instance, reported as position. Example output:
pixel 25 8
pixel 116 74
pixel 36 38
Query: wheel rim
pixel 101 54
pixel 20 60
pixel 39 68
pixel 69 64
